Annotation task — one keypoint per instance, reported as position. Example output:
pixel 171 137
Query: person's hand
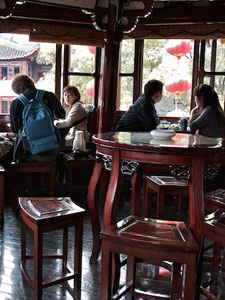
pixel 55 122
pixel 195 113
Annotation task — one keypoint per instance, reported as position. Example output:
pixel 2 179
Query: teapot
pixel 79 142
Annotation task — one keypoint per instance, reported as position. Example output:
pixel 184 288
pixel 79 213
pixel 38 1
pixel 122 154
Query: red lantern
pixel 180 49
pixel 92 49
pixel 178 87
pixel 90 87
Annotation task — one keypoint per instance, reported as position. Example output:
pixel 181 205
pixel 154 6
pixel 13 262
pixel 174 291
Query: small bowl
pixel 162 134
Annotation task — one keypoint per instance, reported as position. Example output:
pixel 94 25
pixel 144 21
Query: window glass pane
pixel 85 85
pixel 4 107
pixel 220 89
pixel 220 57
pixel 44 73
pixel 16 70
pixel 126 92
pixel 208 50
pixel 170 61
pixel 127 56
pixel 4 73
pixel 38 62
pixel 82 59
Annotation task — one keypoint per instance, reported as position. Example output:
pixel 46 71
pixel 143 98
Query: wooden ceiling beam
pixel 32 11
pixel 185 13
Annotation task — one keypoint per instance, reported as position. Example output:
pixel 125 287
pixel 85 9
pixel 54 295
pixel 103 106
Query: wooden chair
pixel 2 178
pixel 150 240
pixel 46 172
pixel 79 165
pixel 162 185
pixel 215 200
pixel 214 230
pixel 42 215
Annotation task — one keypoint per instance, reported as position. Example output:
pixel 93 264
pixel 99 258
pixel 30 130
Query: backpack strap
pixel 23 99
pixel 39 95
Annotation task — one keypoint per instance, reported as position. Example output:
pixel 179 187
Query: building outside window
pixel 4 73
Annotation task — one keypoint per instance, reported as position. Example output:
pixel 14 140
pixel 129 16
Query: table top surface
pixel 144 141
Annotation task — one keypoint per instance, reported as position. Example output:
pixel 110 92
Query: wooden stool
pixel 162 185
pixel 2 176
pixel 214 229
pixel 43 215
pixel 215 200
pixel 151 240
pixel 41 168
pixel 81 164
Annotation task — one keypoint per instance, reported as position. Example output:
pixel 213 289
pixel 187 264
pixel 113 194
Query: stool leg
pixel 14 193
pixel 215 265
pixel 65 248
pixel 175 279
pixel 2 199
pixel 131 267
pixel 69 180
pixel 42 182
pixel 52 184
pixel 78 257
pixel 38 249
pixel 160 205
pixel 106 272
pixel 148 202
pixel 189 279
pixel 23 245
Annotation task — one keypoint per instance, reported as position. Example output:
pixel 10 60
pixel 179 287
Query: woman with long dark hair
pixel 208 117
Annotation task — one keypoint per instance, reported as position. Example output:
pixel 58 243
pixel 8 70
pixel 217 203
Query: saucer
pixel 162 134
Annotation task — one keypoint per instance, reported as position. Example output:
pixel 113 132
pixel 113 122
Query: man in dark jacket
pixel 142 116
pixel 23 84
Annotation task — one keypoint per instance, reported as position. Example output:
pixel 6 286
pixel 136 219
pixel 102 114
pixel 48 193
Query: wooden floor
pixel 13 286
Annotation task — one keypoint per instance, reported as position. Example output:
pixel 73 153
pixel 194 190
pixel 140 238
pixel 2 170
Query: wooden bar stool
pixel 215 200
pixel 80 164
pixel 2 199
pixel 42 215
pixel 150 240
pixel 44 169
pixel 214 230
pixel 162 185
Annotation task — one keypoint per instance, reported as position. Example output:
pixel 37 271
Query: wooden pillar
pixel 110 60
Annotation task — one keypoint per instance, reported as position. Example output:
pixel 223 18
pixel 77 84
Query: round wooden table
pixel 190 156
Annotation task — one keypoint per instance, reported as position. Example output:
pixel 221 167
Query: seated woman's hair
pixel 207 94
pixel 21 82
pixel 209 97
pixel 152 87
pixel 72 89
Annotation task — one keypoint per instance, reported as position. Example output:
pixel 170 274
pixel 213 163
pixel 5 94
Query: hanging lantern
pixel 92 49
pixel 179 48
pixel 178 87
pixel 90 88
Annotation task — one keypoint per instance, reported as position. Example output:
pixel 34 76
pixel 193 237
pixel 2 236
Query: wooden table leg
pixel 114 190
pixel 93 210
pixel 111 204
pixel 196 198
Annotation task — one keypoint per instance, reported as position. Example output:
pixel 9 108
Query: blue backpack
pixel 38 124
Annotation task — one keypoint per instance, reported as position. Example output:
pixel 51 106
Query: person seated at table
pixel 208 117
pixel 142 116
pixel 23 84
pixel 76 118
